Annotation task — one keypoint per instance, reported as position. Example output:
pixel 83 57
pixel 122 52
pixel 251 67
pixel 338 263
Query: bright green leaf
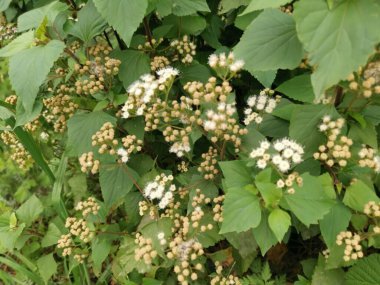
pixel 264 236
pixel 236 173
pixel 30 210
pixel 264 4
pixel 22 42
pixel 358 194
pixel 279 222
pixel 365 271
pixel 298 88
pixel 47 266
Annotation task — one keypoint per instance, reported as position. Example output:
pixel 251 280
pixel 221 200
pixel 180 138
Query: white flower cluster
pixel 218 120
pixel 130 145
pixel 258 105
pixel 288 154
pixel 161 189
pixel 142 92
pixel 225 65
pixel 369 159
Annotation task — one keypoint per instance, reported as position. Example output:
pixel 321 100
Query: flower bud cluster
pixel 90 206
pixel 183 167
pixel 11 99
pixel 258 105
pixel 353 249
pixel 226 66
pixel 7 32
pixel 369 159
pixel 372 210
pixel 180 139
pixel 88 163
pixel 150 45
pixel 218 208
pixel 144 251
pixel 79 228
pixel 58 109
pixel 288 153
pixel 289 182
pixel 160 189
pixel 145 206
pixel 66 243
pixel 337 149
pixel 130 145
pixel 80 258
pixel 159 62
pixel 17 151
pixel 185 49
pixel 367 82
pixel 219 279
pixel 208 165
pixel 105 139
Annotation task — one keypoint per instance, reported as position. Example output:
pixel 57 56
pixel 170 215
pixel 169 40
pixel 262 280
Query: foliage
pixel 189 142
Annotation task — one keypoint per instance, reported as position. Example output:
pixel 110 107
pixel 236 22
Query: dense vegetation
pixel 190 142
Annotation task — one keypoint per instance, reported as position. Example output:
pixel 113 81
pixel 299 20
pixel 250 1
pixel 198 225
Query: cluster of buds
pixel 159 62
pixel 160 189
pixel 130 145
pixel 353 249
pixel 65 242
pixel 288 154
pixel 150 45
pixel 7 32
pixel 223 126
pixel 145 250
pixel 90 206
pixel 208 164
pixel 367 82
pixel 183 167
pixel 79 228
pixel 185 50
pixel 219 279
pixel 11 99
pixel 372 210
pixel 258 105
pixel 105 139
pixel 369 159
pixel 226 66
pixel 74 46
pixel 59 109
pixel 337 149
pixel 179 138
pixel 289 182
pixel 218 209
pixel 145 91
pixel 288 9
pixel 88 163
pixel 17 151
pixel 80 258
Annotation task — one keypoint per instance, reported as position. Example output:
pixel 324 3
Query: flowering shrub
pixel 191 142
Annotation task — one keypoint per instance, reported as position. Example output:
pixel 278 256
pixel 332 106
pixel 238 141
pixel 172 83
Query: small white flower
pixel 284 166
pixel 261 163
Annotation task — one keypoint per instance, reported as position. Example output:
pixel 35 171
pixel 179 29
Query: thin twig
pixel 147 31
pixel 122 44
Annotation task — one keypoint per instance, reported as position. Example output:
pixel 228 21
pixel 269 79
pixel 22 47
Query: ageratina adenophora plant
pixel 190 142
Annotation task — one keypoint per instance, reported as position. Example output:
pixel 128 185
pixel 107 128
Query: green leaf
pixel 151 281
pixel 334 222
pixel 194 72
pixel 117 11
pixel 4 5
pixel 270 42
pixel 115 182
pixel 188 7
pixel 227 5
pixel 244 242
pixel 264 236
pixel 358 194
pixel 372 114
pixel 22 42
pixel 236 173
pixel 264 4
pixel 188 25
pixel 81 127
pixel 309 203
pixel 322 275
pixel 100 249
pixel 338 41
pixel 298 88
pixel 270 193
pixel 28 70
pixel 33 18
pixel 366 135
pixel 279 222
pixel 47 267
pixel 52 235
pixel 89 23
pixel 304 126
pixel 151 230
pixel 266 78
pixel 30 210
pixel 241 211
pixel 133 65
pixel 365 271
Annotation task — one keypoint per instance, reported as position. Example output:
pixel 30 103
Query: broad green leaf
pixel 5 113
pixel 4 4
pixel 187 25
pixel 266 78
pixel 115 182
pixel 22 42
pixel 89 23
pixel 365 135
pixel 298 88
pixel 264 236
pixel 365 271
pixel 33 18
pixel 213 31
pixel 28 70
pixel 269 43
pixel 194 72
pixel 372 114
pixel 279 222
pixel 227 5
pixel 264 4
pixel 188 7
pixel 244 242
pixel 242 22
pixel 30 210
pixel 81 127
pixel 133 65
pixel 236 173
pixel 151 281
pixel 358 194
pixel 309 202
pixel 52 235
pixel 100 249
pixel 47 267
pixel 322 275
pixel 334 222
pixel 152 229
pixel 241 212
pixel 338 41
pixel 304 126
pixel 116 12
